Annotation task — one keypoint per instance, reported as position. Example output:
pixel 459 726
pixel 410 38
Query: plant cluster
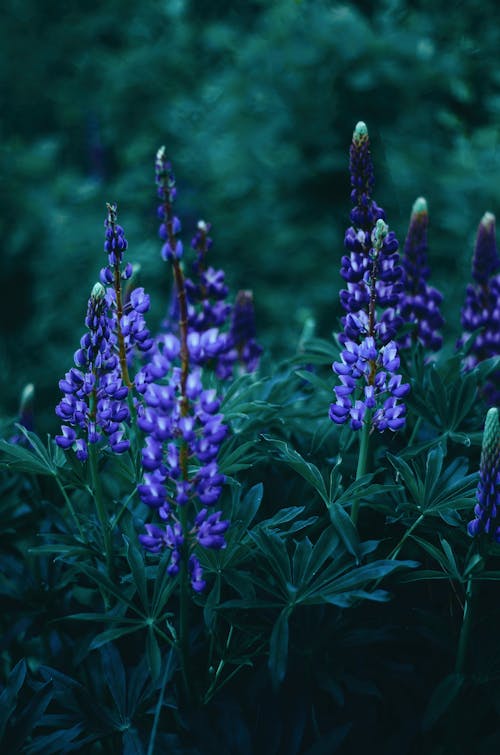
pixel 213 556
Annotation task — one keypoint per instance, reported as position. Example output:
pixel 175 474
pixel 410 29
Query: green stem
pixel 184 600
pixel 156 720
pixel 407 534
pixel 364 441
pixel 463 641
pixel 415 431
pixel 70 507
pixel 100 508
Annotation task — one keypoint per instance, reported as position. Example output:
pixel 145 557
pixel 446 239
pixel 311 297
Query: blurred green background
pixel 256 103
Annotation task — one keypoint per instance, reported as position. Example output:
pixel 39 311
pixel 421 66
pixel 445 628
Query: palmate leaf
pixel 115 677
pixel 274 550
pixel 20 459
pixel 244 510
pixel 346 530
pixel 59 741
pixel 136 562
pixel 236 456
pixel 310 377
pixel 309 471
pixel 8 698
pixel 444 557
pixel 434 490
pixel 355 578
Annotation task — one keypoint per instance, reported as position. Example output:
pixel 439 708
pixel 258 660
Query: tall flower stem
pixel 183 461
pixel 100 508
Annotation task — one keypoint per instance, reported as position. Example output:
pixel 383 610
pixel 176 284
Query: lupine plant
pixel 212 556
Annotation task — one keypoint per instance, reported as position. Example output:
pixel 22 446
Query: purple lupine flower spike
pixel 420 303
pixel 482 305
pixel 365 212
pixel 94 403
pixel 243 331
pixel 179 416
pixel 370 387
pixel 487 508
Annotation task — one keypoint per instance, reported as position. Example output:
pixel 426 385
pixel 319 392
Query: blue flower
pixel 369 389
pixel 487 508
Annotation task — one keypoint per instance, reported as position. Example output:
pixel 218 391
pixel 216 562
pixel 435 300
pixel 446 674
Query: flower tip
pixel 492 425
pixel 360 132
pixel 98 292
pixel 488 221
pixel 419 206
pixel 379 233
pixel 27 394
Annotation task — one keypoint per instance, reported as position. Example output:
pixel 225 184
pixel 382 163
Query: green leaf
pixel 153 654
pixel 314 380
pixel 360 576
pixel 301 560
pixel 411 481
pixel 281 517
pixel 433 468
pixel 247 508
pixel 110 635
pixel 278 649
pixel 346 529
pixel 19 459
pixel 132 744
pixel 9 695
pixel 274 550
pixel 311 473
pixel 441 699
pixel 136 562
pixel 212 601
pixel 439 389
pixel 57 741
pixel 29 717
pixel 444 557
pixel 114 674
pixel 236 459
pixel 241 582
pixel 350 598
pixel 103 581
pixel 326 546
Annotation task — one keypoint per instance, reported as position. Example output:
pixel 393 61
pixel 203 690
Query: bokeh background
pixel 256 103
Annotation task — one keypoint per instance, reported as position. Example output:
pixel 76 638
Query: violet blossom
pixel 487 508
pixel 181 421
pixel 370 386
pixel 481 309
pixel 420 303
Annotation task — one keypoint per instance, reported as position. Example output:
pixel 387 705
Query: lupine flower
pixel 487 508
pixel 420 302
pixel 94 405
pixel 206 290
pixel 180 418
pixel 370 387
pixel 209 342
pixel 482 305
pixel 129 326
